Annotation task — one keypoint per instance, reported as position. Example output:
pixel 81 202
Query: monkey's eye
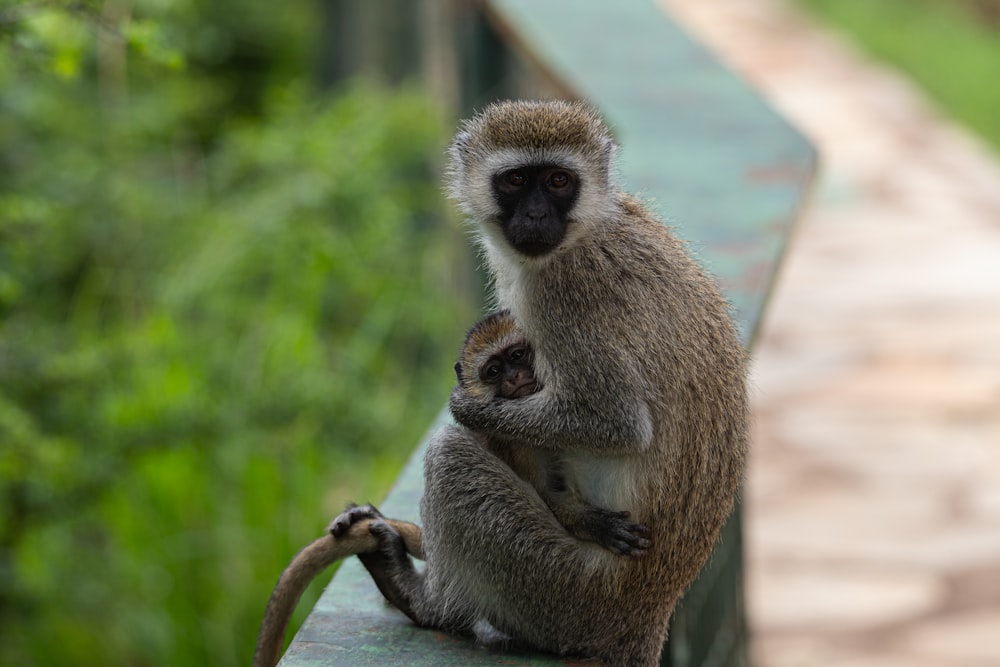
pixel 515 178
pixel 491 371
pixel 559 180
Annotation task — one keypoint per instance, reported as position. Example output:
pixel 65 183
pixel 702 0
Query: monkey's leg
pixel 399 582
pixel 389 563
pixel 496 552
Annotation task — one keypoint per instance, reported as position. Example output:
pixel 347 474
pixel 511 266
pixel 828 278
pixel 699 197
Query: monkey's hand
pixel 518 420
pixel 612 530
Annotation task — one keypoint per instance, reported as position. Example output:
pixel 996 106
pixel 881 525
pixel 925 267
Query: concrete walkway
pixel 874 496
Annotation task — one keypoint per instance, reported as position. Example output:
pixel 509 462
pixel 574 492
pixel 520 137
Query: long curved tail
pixel 306 566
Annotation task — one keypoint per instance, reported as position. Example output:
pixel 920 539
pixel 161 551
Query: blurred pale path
pixel 873 503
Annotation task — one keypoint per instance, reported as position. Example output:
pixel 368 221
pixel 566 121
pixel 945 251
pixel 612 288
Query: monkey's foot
pixel 391 543
pixel 488 636
pixel 391 568
pixel 350 516
pixel 614 531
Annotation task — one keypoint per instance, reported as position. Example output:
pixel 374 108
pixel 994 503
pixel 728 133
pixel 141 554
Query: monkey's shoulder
pixel 633 207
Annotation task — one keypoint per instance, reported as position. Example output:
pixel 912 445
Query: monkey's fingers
pixel 629 544
pixel 615 532
pixel 637 529
pixel 350 516
pixel 640 530
pixel 640 542
pixel 627 538
pixel 384 531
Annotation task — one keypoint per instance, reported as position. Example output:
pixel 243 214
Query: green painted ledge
pixel 720 166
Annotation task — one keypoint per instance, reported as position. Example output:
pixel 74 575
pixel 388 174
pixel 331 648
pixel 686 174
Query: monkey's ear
pixel 458 371
pixel 608 148
pixel 460 146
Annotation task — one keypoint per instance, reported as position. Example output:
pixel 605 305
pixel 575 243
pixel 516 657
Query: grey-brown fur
pixel 542 469
pixel 643 400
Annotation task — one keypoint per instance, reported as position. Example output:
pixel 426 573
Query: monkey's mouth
pixel 534 238
pixel 526 389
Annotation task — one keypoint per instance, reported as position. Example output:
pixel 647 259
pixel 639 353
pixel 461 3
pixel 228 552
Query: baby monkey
pixel 497 361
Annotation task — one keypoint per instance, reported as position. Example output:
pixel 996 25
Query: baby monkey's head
pixel 496 360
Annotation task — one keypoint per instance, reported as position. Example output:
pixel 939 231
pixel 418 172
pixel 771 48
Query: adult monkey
pixel 496 361
pixel 643 398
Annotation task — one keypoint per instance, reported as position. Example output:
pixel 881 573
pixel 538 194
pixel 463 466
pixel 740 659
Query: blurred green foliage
pixel 227 306
pixel 950 47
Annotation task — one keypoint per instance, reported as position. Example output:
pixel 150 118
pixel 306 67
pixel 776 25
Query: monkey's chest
pixel 608 482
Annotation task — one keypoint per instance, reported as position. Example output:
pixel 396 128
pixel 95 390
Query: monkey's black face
pixel 534 205
pixel 510 372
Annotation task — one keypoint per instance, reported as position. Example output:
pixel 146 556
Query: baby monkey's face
pixel 496 360
pixel 510 372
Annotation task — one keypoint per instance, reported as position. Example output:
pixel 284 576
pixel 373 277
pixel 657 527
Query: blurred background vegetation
pixel 230 297
pixel 229 303
pixel 949 47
